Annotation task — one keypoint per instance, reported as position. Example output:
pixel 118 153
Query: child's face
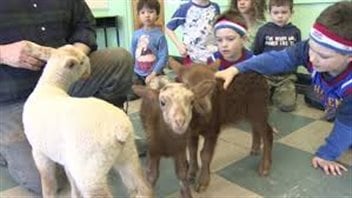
pixel 230 43
pixel 280 15
pixel 147 16
pixel 327 60
pixel 244 6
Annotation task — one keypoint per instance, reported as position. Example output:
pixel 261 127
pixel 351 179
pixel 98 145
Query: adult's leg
pixel 111 76
pixel 15 148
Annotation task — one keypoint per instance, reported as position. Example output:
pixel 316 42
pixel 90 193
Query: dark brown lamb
pixel 165 116
pixel 246 98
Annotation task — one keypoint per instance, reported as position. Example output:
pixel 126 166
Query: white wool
pixel 85 135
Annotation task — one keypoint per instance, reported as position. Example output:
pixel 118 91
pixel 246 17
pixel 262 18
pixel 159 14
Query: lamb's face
pixel 176 105
pixel 158 82
pixel 68 64
pixel 200 79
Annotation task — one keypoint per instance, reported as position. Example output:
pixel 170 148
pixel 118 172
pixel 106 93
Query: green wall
pixel 305 12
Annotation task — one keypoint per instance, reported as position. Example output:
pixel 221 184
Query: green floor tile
pixel 166 184
pixel 284 122
pixel 6 182
pixel 291 176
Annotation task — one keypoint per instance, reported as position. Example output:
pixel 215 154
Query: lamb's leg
pixel 206 156
pixel 181 167
pixel 152 171
pixel 193 158
pixel 74 190
pixel 256 142
pixel 97 189
pixel 265 164
pixel 129 168
pixel 46 168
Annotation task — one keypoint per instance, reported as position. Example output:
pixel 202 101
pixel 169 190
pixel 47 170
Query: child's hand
pixel 227 75
pixel 182 49
pixel 329 167
pixel 150 77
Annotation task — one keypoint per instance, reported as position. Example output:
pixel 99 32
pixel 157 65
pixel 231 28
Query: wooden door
pixel 137 24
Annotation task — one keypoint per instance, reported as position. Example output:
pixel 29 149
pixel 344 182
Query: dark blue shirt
pixel 46 22
pixel 273 37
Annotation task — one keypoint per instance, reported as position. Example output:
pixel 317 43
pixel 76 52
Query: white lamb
pixel 87 136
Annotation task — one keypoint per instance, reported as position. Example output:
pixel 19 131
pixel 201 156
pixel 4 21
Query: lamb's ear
pixel 176 66
pixel 145 92
pixel 70 63
pixel 203 88
pixel 215 65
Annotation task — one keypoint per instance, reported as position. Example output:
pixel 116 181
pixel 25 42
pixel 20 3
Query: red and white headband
pixel 240 29
pixel 326 38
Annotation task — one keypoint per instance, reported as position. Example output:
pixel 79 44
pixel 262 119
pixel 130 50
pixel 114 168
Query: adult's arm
pixel 83 35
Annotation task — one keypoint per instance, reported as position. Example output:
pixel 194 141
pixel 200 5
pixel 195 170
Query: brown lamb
pixel 165 115
pixel 246 98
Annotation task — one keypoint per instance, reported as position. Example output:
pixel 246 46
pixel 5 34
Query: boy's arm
pixel 134 46
pixel 162 55
pixel 340 138
pixel 274 62
pixel 258 45
pixel 269 63
pixel 299 36
pixel 179 45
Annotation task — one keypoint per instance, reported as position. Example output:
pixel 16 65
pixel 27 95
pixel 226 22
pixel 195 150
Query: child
pixel 253 13
pixel 196 17
pixel 277 35
pixel 230 34
pixel 149 46
pixel 328 56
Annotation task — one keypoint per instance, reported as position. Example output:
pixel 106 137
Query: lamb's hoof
pixel 264 170
pixel 255 152
pixel 186 193
pixel 200 187
pixel 191 178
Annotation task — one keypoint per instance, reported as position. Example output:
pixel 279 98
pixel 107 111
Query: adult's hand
pixel 21 54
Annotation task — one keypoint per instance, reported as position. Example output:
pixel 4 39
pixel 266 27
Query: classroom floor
pixel 234 172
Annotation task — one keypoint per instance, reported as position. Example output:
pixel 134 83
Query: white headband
pixel 320 34
pixel 229 24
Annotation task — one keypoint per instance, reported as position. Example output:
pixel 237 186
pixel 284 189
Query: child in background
pixel 277 35
pixel 197 18
pixel 230 34
pixel 253 13
pixel 328 56
pixel 149 46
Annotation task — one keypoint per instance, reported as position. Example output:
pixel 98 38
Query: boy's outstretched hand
pixel 329 167
pixel 227 75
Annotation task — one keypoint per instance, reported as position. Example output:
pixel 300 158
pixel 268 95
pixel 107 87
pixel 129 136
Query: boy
pixel 328 56
pixel 277 35
pixel 230 34
pixel 196 17
pixel 149 46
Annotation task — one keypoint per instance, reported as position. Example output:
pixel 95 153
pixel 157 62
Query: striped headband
pixel 240 29
pixel 320 34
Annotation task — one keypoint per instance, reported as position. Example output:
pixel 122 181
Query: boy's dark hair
pixel 233 16
pixel 259 8
pixel 281 3
pixel 338 19
pixel 151 4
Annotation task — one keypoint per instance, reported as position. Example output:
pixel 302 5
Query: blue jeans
pixel 111 80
